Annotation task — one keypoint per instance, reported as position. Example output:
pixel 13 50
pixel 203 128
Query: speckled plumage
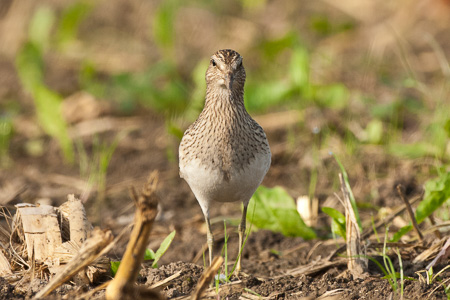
pixel 224 155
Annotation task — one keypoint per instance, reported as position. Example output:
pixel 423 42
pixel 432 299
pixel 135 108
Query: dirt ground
pixel 271 262
pixel 273 266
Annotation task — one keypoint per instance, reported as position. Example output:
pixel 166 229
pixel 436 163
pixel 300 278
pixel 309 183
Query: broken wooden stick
pixel 410 212
pixel 123 284
pixel 207 277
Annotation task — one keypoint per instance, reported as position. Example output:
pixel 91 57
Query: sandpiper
pixel 224 155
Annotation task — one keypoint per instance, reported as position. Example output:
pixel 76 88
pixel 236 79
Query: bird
pixel 224 155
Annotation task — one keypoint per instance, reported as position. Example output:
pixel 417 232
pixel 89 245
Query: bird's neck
pixel 221 99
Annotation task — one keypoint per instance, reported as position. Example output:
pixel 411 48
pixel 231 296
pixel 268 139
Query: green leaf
pixel 259 96
pixel 253 4
pixel 447 127
pixel 48 105
pixel 335 96
pixel 374 131
pixel 114 267
pixel 401 232
pixel 163 248
pixel 299 68
pixel 414 150
pixel 163 25
pixel 30 66
pixel 197 98
pixel 437 192
pixel 275 210
pixel 272 48
pixel 41 26
pixel 6 133
pixel 393 275
pixel 338 219
pixel 70 21
pixel 149 254
pixel 89 80
pixel 174 130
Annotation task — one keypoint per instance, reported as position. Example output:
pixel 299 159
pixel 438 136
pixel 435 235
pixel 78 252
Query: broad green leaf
pixel 163 248
pixel 338 221
pixel 437 192
pixel 275 210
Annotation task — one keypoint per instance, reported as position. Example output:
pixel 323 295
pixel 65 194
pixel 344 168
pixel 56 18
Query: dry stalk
pixel 73 210
pixel 123 285
pixel 166 281
pixel 89 252
pixel 444 253
pixel 410 212
pixel 377 226
pixel 207 277
pixel 314 267
pixel 357 264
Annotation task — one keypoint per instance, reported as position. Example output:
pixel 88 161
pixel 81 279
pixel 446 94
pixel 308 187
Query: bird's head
pixel 226 70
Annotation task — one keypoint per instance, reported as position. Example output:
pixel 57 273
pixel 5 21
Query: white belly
pixel 209 184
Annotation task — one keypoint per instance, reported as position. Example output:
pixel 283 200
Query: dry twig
pixel 123 285
pixel 357 264
pixel 206 278
pixel 410 212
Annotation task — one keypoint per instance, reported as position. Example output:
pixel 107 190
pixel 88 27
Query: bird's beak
pixel 229 78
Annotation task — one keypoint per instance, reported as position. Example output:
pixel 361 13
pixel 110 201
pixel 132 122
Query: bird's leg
pixel 242 226
pixel 209 238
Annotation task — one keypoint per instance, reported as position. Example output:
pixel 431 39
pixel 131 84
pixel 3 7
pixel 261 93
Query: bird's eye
pixel 213 62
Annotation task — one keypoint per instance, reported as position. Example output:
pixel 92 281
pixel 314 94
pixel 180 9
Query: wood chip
pixel 41 229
